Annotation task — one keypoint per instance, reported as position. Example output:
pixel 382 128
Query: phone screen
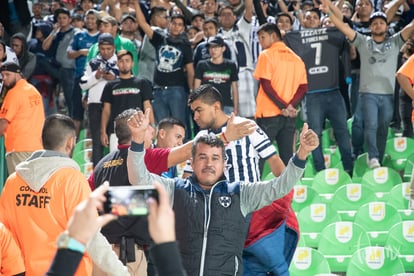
pixel 129 200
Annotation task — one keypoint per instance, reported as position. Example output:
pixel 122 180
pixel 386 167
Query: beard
pixel 10 85
pixel 125 72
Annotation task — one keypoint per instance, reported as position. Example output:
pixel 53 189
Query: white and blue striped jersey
pixel 243 155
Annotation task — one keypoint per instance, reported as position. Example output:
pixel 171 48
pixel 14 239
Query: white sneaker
pixel 374 163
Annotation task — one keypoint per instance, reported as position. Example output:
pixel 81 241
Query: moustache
pixel 208 170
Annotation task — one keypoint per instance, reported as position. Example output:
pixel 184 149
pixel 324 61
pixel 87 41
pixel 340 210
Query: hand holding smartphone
pixel 129 200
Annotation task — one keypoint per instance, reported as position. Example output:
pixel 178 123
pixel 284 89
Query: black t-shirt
pixel 218 75
pixel 125 93
pixel 320 50
pixel 172 55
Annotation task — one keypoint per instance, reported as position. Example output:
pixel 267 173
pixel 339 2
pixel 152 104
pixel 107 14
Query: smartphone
pixel 129 200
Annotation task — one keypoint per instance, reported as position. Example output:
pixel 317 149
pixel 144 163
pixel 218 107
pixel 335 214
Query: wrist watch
pixel 65 241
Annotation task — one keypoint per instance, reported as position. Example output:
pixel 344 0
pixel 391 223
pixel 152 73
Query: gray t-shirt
pixel 378 63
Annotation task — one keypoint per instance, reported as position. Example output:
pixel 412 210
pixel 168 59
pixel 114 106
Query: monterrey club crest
pixel 225 201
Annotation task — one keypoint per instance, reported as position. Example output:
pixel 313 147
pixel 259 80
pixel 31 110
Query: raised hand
pixel 138 124
pixel 236 131
pixel 308 142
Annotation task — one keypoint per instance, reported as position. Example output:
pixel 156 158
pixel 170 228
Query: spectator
pixel 323 100
pixel 54 5
pixel 236 33
pixel 221 73
pixel 59 40
pixel 117 8
pixel 129 30
pixel 27 60
pixel 43 194
pixel 174 68
pixel 84 224
pixel 78 50
pixel 16 18
pixel 377 82
pixel 147 56
pixel 37 9
pixel 98 72
pixel 120 94
pixel 21 116
pixel 225 219
pixel 109 25
pixel 405 79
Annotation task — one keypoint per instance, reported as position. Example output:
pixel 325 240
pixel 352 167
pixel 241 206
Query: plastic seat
pixel 401 239
pixel 399 198
pixel 327 181
pixel 303 196
pixel 360 167
pixel 348 198
pixel 339 241
pixel 381 180
pixel 332 158
pixel 397 150
pixel 377 218
pixel 83 156
pixel 313 219
pixel 82 145
pixel 409 166
pixel 308 262
pixel 375 261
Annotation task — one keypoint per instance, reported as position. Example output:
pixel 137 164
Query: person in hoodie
pixel 174 67
pixel 40 197
pixel 98 72
pixel 27 60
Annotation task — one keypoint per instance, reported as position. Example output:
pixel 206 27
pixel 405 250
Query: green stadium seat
pixel 332 158
pixel 83 156
pixel 374 261
pixel 401 239
pixel 360 167
pixel 327 181
pixel 377 218
pixel 348 198
pixel 308 262
pixel 339 241
pixel 381 180
pixel 399 198
pixel 313 219
pixel 397 151
pixel 303 196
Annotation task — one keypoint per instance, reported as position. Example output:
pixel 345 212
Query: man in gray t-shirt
pixel 378 53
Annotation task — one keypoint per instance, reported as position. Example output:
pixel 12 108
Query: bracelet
pixel 53 33
pixel 225 138
pixel 220 136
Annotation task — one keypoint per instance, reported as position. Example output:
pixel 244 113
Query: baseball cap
pixel 215 40
pixel 128 16
pixel 109 19
pixel 381 15
pixel 106 39
pixel 11 67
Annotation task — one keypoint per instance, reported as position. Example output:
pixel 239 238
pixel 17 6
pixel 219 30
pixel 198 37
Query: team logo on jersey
pixel 225 201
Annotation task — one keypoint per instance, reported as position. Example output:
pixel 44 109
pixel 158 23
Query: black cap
pixel 128 16
pixel 381 15
pixel 11 66
pixel 215 40
pixel 106 39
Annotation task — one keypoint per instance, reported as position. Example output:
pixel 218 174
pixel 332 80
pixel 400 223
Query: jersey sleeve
pixel 263 68
pixel 156 160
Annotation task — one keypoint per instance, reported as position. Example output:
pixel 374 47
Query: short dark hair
pixel 286 15
pixel 270 28
pixel 207 94
pixel 209 139
pixel 121 128
pixel 57 128
pixel 156 11
pixel 170 122
pixel 211 20
pixel 315 10
pixel 179 16
pixel 122 53
pixel 226 7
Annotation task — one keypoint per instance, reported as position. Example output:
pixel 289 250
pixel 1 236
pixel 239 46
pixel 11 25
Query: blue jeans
pixel 77 107
pixel 331 106
pixel 358 131
pixel 66 80
pixel 377 110
pixel 170 101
